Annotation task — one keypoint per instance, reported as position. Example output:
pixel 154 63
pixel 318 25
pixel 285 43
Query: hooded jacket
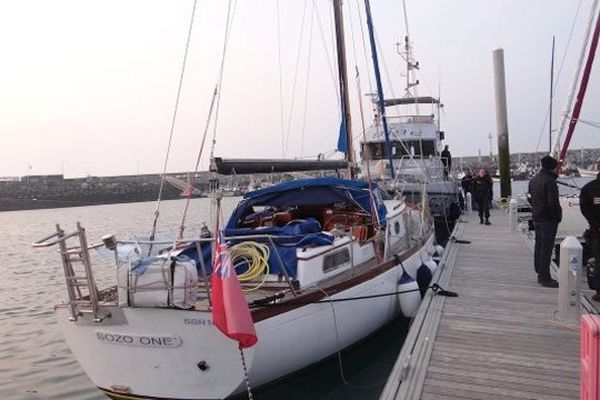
pixel 481 188
pixel 543 193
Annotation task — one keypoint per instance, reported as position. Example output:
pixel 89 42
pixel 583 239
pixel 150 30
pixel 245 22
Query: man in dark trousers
pixel 589 203
pixel 446 160
pixel 547 214
pixel 481 190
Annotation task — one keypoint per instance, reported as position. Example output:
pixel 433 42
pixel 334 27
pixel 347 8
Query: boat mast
pixel 380 97
pixel 585 78
pixel 551 97
pixel 343 81
pixel 574 80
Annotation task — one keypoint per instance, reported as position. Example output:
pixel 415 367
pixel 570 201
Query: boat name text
pixel 139 340
pixel 197 322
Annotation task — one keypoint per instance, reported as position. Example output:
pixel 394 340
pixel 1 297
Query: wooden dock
pixel 499 338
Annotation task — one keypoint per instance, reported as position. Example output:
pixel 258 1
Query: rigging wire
pixel 374 216
pixel 359 135
pixel 215 99
pixel 292 100
pixel 589 123
pixel 218 101
pixel 308 65
pixel 281 116
pixel 564 57
pixel 173 119
pixel 229 25
pixel 364 45
pixel 327 55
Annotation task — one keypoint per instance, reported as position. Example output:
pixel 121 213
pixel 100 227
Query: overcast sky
pixel 89 87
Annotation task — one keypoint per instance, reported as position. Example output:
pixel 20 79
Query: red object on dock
pixel 590 357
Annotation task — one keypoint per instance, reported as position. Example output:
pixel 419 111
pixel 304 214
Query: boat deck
pixel 498 339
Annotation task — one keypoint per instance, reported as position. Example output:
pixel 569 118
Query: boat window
pixel 336 260
pixel 378 151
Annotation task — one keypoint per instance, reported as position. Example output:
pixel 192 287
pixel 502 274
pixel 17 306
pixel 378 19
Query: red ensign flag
pixel 229 307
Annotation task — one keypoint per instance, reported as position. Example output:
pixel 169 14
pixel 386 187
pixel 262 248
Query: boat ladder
pixel 77 267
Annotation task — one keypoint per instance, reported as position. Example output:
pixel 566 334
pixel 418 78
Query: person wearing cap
pixel 547 214
pixel 447 161
pixel 589 204
pixel 481 190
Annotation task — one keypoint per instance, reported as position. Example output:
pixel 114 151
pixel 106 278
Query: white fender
pixel 432 265
pixel 409 301
pixel 439 252
pixel 431 249
pixel 439 249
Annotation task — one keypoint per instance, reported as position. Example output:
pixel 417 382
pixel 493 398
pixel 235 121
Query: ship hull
pixel 179 354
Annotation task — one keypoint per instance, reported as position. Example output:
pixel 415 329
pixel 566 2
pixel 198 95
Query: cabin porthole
pixel 203 366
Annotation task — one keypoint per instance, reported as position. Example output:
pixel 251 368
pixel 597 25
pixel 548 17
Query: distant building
pixel 42 179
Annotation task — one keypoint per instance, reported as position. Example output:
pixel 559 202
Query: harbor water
pixel 35 362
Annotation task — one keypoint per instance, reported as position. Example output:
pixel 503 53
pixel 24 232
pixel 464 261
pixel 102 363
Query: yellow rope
pixel 256 256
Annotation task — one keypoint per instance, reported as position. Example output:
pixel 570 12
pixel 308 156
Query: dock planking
pixel 499 338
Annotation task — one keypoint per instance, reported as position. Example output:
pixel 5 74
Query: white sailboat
pixel 325 262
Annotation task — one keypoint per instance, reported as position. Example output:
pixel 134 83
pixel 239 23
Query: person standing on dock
pixel 547 214
pixel 446 160
pixel 589 203
pixel 481 190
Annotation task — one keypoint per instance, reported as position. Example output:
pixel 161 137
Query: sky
pixel 89 87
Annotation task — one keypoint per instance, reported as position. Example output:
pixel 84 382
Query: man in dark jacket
pixel 589 203
pixel 446 160
pixel 547 214
pixel 481 190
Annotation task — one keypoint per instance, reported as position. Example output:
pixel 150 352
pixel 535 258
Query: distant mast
pixel 585 78
pixel 551 98
pixel 380 96
pixel 574 80
pixel 346 126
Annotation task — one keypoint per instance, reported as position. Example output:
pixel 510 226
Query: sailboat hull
pixel 168 353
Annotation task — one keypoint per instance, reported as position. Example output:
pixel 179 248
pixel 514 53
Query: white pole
pixel 569 290
pixel 567 107
pixel 512 215
pixel 469 201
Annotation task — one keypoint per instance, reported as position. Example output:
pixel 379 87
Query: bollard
pixel 468 201
pixel 512 215
pixel 569 290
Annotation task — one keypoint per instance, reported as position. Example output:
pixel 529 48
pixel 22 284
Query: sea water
pixel 35 362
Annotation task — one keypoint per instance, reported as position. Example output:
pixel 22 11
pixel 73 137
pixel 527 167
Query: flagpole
pixel 246 374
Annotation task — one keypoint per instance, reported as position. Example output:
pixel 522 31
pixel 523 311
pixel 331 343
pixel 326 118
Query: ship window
pixel 335 260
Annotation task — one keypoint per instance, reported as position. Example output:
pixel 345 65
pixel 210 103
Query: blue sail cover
pixel 315 191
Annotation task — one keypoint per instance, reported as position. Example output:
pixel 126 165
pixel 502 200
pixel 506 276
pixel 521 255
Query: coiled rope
pixel 255 256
